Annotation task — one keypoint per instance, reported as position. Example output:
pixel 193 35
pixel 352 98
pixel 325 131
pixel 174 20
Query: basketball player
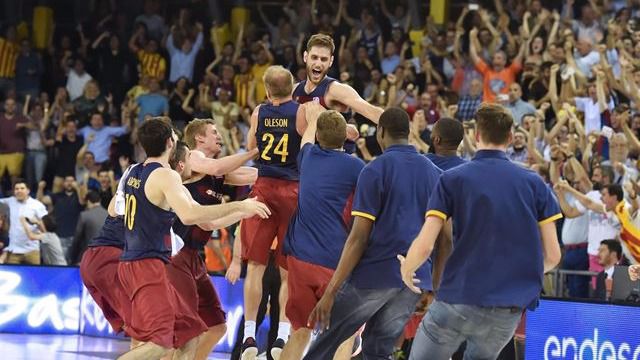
pixel 320 226
pixel 99 272
pixel 326 90
pixel 187 270
pixel 154 196
pixel 276 129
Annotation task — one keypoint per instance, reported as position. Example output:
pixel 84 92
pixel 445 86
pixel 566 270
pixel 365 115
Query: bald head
pixel 278 81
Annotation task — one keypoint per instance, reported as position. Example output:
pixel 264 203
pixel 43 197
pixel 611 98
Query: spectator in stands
pixel 152 64
pixel 89 224
pixel 12 140
pixel 87 169
pixel 153 22
pixel 21 249
pixel 518 107
pixel 111 65
pixel 603 223
pixel 67 145
pixel 67 206
pixel 29 70
pixel 264 59
pixel 498 77
pixel 180 103
pixel 468 104
pixel 99 137
pixel 4 232
pixel 517 151
pixel 90 102
pixel 77 79
pixel 184 58
pixel 154 103
pixel 108 186
pixel 609 255
pixel 44 232
pixel 36 142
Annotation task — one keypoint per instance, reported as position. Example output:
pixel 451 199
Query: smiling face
pixel 318 60
pixel 212 141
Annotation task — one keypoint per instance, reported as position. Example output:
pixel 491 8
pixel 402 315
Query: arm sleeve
pixel 368 199
pixel 441 201
pixel 547 207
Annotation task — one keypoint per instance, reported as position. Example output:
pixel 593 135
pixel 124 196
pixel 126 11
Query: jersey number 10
pixel 130 210
pixel 280 149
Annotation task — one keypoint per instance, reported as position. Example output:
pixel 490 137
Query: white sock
pixel 284 328
pixel 249 330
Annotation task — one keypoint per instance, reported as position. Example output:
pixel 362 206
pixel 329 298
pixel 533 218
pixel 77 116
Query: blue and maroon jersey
pixel 111 233
pixel 278 141
pixel 206 191
pixel 146 226
pixel 318 94
pixel 301 96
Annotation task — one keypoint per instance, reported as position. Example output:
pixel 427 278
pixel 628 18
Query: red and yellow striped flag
pixel 629 233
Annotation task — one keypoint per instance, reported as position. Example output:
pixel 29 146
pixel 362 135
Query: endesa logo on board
pixel 561 330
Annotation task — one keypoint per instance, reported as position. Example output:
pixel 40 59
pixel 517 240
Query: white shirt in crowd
pixel 576 230
pixel 591 112
pixel 76 83
pixel 19 242
pixel 601 226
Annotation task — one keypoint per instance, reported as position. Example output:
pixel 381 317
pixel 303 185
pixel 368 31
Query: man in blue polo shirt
pixel 389 206
pixel 446 136
pixel 320 225
pixel 504 241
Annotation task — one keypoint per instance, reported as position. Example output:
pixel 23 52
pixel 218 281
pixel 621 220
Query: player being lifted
pixel 326 90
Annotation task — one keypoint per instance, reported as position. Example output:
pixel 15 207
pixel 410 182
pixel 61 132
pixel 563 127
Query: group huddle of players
pixel 299 205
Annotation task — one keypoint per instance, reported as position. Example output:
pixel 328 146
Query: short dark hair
pixel 21 181
pixel 92 196
pixel 395 122
pixel 613 246
pixel 180 155
pixel 615 189
pixel 49 223
pixel 494 123
pixel 450 131
pixel 332 129
pixel 153 135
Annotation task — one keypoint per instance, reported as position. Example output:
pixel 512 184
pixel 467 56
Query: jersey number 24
pixel 280 149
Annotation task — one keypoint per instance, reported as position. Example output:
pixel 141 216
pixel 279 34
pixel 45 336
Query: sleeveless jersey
pixel 301 96
pixel 278 141
pixel 206 191
pixel 111 233
pixel 146 226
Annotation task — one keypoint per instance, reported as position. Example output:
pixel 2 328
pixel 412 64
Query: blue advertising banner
pixel 560 330
pixel 39 300
pixel 52 300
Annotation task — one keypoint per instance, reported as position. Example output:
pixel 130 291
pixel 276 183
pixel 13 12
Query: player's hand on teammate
pixel 252 207
pixel 634 272
pixel 320 317
pixel 408 275
pixel 313 110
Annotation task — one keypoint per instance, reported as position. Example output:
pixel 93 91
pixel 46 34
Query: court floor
pixel 65 347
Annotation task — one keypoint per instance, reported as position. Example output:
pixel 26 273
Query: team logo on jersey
pixel 214 194
pixel 316 99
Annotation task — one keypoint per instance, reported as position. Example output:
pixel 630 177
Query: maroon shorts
pixel 188 275
pixel 99 272
pixel 257 235
pixel 306 284
pixel 158 314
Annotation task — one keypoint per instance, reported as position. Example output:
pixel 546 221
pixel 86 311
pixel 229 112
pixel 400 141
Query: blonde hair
pixel 195 127
pixel 278 81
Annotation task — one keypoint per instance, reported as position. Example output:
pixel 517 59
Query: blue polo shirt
pixel 393 191
pixel 319 227
pixel 496 207
pixel 446 162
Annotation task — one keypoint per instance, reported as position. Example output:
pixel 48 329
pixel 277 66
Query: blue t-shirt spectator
pixel 101 142
pixel 152 104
